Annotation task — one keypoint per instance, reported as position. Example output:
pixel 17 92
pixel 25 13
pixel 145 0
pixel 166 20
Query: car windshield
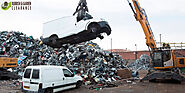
pixel 67 73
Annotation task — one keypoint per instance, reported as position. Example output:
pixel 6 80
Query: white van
pixel 49 79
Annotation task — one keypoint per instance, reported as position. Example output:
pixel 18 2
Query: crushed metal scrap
pixel 140 64
pixel 87 59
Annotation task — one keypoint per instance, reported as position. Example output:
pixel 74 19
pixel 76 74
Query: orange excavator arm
pixel 141 16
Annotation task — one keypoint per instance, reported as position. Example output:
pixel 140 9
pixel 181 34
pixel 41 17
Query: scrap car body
pixel 67 30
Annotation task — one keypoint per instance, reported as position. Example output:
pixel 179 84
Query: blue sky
pixel 167 17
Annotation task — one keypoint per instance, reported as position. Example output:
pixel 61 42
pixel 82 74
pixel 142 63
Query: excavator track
pixel 5 75
pixel 163 75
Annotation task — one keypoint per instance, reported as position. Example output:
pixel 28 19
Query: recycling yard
pixel 102 71
pixel 47 47
pixel 124 86
pixel 136 88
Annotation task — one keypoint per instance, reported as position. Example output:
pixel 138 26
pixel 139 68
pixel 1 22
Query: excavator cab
pixel 162 58
pixel 164 67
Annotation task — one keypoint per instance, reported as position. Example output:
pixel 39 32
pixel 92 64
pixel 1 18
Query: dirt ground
pixel 124 86
pixel 137 87
pixel 9 86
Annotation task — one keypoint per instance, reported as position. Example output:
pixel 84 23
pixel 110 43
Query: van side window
pixel 67 73
pixel 27 73
pixel 35 74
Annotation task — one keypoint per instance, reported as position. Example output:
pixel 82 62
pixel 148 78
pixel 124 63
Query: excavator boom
pixel 141 16
pixel 164 61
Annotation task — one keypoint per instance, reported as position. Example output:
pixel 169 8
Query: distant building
pixel 132 55
pixel 118 50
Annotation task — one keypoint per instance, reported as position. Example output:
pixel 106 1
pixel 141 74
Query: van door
pixel 34 80
pixel 26 79
pixel 68 78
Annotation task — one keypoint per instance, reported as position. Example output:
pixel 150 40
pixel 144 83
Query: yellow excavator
pixel 6 63
pixel 165 63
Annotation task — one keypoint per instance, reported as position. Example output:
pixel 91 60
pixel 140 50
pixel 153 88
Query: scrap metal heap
pixel 143 63
pixel 86 59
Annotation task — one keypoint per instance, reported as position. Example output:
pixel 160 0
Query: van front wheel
pixel 48 90
pixel 78 84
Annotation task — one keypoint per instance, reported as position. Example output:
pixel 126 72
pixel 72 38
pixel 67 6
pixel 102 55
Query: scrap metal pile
pixel 86 59
pixel 140 64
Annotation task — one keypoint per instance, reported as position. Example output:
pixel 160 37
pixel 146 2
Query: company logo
pixel 16 5
pixel 6 5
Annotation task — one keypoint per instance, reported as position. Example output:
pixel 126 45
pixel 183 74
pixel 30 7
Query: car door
pixel 81 25
pixel 68 78
pixel 34 79
pixel 26 79
pixel 62 27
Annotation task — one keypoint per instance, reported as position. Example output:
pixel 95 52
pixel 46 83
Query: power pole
pixel 111 45
pixel 136 52
pixel 160 40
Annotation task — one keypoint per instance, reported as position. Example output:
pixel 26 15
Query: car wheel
pixel 94 27
pixel 53 39
pixel 78 84
pixel 107 30
pixel 49 90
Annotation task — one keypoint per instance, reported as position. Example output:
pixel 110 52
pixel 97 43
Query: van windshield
pixel 67 73
pixel 27 73
pixel 35 74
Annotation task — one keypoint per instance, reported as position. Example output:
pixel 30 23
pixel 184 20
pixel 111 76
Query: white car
pixel 49 79
pixel 67 30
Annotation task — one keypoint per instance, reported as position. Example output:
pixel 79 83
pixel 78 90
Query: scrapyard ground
pixel 124 86
pixel 138 87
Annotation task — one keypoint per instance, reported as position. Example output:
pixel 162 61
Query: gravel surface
pixel 9 86
pixel 124 86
